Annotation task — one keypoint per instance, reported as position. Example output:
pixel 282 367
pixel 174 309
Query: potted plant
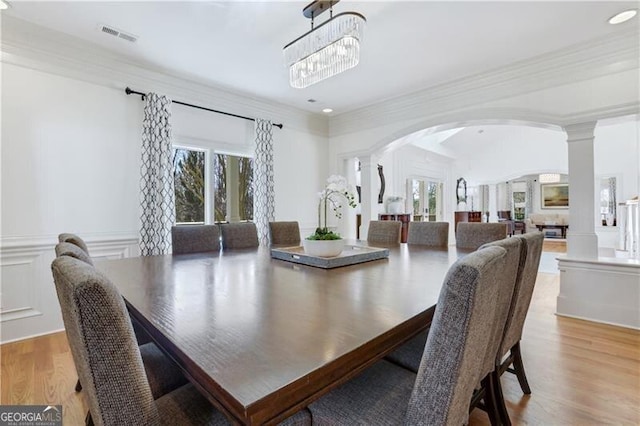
pixel 324 242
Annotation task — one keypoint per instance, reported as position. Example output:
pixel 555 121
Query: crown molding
pixel 595 58
pixel 31 46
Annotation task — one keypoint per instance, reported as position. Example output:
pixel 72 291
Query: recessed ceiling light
pixel 4 5
pixel 327 110
pixel 623 16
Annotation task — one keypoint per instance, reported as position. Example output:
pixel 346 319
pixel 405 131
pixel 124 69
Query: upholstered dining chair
pixel 471 235
pixel 195 238
pixel 409 355
pixel 384 232
pixel 69 249
pixel 284 233
pixel 440 392
pixel 510 347
pixel 73 239
pixel 109 361
pixel 434 234
pixel 162 374
pixel 239 235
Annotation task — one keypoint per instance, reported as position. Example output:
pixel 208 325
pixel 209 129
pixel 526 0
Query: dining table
pixel 262 338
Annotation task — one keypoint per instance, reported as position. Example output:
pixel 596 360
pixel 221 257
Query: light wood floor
pixel 580 372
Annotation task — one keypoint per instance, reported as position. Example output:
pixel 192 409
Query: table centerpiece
pixel 324 242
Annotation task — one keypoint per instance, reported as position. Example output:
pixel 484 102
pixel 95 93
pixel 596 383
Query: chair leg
pixel 78 386
pixel 489 401
pixel 519 369
pixel 499 399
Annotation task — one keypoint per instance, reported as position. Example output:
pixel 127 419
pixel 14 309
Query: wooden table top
pixel 262 337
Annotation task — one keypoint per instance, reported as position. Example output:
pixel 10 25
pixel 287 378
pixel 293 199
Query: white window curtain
pixel 157 196
pixel 263 191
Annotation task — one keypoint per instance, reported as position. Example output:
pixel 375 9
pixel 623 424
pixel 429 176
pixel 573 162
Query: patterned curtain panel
pixel 612 196
pixel 529 198
pixel 510 197
pixel 263 192
pixel 156 184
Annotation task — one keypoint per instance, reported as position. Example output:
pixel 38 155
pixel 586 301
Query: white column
pixel 582 241
pixel 493 203
pixel 369 191
pixel 233 192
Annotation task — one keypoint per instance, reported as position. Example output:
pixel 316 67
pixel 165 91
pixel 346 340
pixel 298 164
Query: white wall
pixel 70 163
pixel 617 153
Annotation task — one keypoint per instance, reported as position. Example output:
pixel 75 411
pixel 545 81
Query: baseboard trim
pixel 613 324
pixel 33 336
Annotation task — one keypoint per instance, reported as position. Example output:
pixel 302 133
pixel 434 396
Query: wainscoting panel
pixel 28 301
pixel 605 290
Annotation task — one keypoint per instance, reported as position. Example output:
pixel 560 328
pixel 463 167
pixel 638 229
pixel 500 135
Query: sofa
pixel 545 219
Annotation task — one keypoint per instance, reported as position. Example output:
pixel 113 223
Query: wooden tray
pixel 351 255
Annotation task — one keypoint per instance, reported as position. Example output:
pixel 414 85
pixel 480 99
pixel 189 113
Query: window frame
pixel 209 178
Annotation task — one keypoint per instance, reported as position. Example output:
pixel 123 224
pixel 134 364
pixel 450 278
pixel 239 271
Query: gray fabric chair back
pixel 195 238
pixel 384 232
pixel 532 242
pixel 285 233
pixel 72 250
pixel 471 235
pixel 510 279
pixel 239 235
pixel 429 233
pixel 461 329
pixel 103 346
pixel 73 239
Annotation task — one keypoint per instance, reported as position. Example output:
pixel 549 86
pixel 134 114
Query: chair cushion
pixel 162 373
pixel 409 355
pixel 378 396
pixel 186 406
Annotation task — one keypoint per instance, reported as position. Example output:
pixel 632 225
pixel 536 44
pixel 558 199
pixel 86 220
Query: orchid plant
pixel 335 193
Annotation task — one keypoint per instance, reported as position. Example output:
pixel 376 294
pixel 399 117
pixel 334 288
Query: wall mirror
pixel 461 190
pixel 608 200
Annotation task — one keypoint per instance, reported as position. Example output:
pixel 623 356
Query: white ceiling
pixel 408 46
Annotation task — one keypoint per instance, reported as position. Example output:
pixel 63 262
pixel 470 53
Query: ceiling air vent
pixel 117 33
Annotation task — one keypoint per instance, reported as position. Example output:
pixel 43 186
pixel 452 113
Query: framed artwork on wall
pixel 554 195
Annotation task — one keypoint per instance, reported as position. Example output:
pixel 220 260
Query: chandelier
pixel 549 178
pixel 328 49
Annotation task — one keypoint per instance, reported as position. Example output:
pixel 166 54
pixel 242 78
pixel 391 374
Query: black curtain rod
pixel 128 91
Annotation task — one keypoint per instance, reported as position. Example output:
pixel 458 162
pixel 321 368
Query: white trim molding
pixel 31 46
pixel 597 58
pixel 605 290
pixel 29 301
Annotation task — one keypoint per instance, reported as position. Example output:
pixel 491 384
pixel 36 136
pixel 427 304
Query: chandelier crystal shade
pixel 327 50
pixel 549 178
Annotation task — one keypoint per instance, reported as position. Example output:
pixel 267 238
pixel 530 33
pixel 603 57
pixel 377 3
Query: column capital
pixel 580 131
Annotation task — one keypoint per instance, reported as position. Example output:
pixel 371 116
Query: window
pixel 233 188
pixel 212 187
pixel 189 183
